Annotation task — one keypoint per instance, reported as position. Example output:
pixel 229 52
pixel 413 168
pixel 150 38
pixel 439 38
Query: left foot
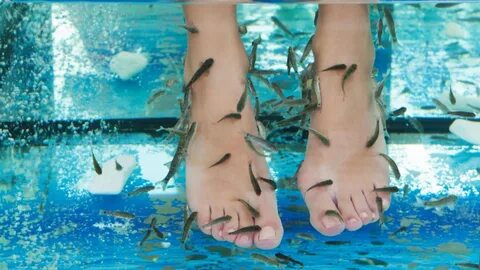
pixel 343 37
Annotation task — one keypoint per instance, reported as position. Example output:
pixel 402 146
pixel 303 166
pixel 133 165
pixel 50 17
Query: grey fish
pixel 390 189
pixel 452 98
pixel 261 142
pixel 428 107
pixel 156 95
pixel 118 167
pixel 254 212
pixel 281 26
pixel 272 183
pixel 262 131
pixel 235 116
pixel 379 31
pixel 390 24
pixel 221 160
pixel 147 235
pixel 190 28
pixel 370 261
pixel 320 136
pixel 417 125
pixel 241 102
pixel 265 259
pixel 315 19
pixel 381 85
pixel 248 229
pixel 337 243
pixel 153 226
pixel 320 184
pixel 286 258
pixel 399 230
pixel 254 149
pixel 96 166
pixel 291 60
pixel 264 80
pixel 445 5
pixel 179 153
pixel 118 214
pixel 374 137
pixel 289 121
pixel 466 82
pixel 468 265
pixel 392 165
pixel 187 226
pixel 377 243
pixel 445 201
pixel 253 180
pixel 252 58
pixel 333 213
pixel 278 90
pixel 206 65
pixel 405 190
pixel 348 73
pixel 316 91
pixel 381 215
pixel 242 29
pixel 462 114
pixel 173 130
pixel 264 72
pixel 307 50
pixel 336 67
pixel 440 105
pixel 140 190
pixel 399 111
pixel 222 219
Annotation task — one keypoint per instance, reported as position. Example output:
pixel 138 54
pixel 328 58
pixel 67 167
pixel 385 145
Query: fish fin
pixel 419 202
pixel 167 163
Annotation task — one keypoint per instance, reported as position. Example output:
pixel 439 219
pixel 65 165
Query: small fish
pixel 254 149
pixel 278 90
pixel 377 243
pixel 265 259
pixel 281 26
pixel 445 5
pixel 315 18
pixel 291 60
pixel 320 184
pixel 466 82
pixel 272 183
pixel 399 111
pixel 320 136
pixel 390 189
pixel 289 121
pixel 370 261
pixel 190 28
pixel 187 226
pixel 221 160
pixel 374 137
pixel 155 95
pixel 206 65
pixel 392 165
pixel 452 98
pixel 428 107
pixel 406 189
pixel 399 230
pixel 96 166
pixel 307 49
pixel 254 212
pixel 219 220
pixel 316 91
pixel 147 235
pixel 175 131
pixel 262 131
pixel 242 29
pixel 350 70
pixel 379 203
pixel 286 258
pixel 333 213
pixel 261 142
pixel 153 226
pixel 118 167
pixel 252 58
pixel 118 214
pixel 336 67
pixel 140 190
pixel 468 265
pixel 337 243
pixel 462 114
pixel 241 102
pixel 440 105
pixel 390 24
pixel 305 236
pixel 248 229
pixel 379 31
pixel 448 201
pixel 417 125
pixel 381 85
pixel 254 180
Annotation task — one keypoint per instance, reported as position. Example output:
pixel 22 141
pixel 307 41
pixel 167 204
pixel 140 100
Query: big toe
pixel 318 203
pixel 272 231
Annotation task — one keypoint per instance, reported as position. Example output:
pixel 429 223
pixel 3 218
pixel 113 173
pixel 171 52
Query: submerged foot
pixel 217 167
pixel 348 118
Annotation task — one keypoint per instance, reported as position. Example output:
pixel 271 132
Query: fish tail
pixel 419 202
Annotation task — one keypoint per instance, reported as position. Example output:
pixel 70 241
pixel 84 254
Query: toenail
pixel 267 233
pixel 364 215
pixel 352 221
pixel 330 222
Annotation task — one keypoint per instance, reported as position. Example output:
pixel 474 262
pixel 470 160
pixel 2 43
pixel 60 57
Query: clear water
pixel 58 74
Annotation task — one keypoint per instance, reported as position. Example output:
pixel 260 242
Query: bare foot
pixel 348 120
pixel 215 191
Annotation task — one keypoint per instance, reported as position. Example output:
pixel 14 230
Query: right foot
pixel 214 192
